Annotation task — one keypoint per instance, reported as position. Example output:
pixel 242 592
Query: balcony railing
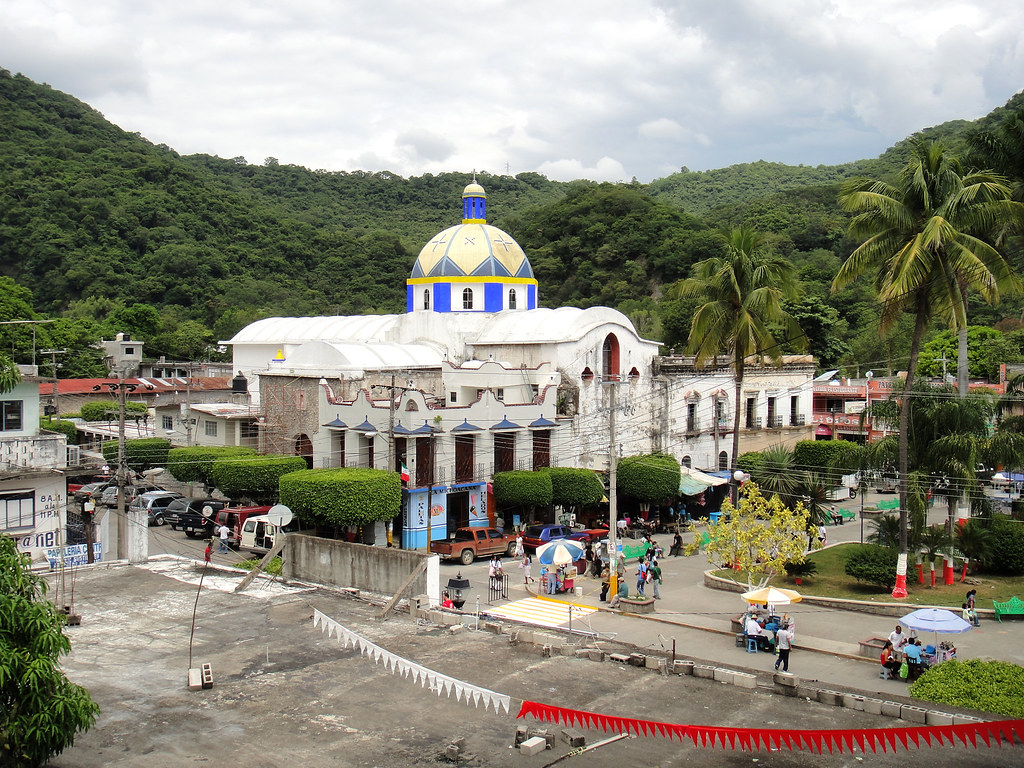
pixel 798 420
pixel 774 422
pixel 754 423
pixel 692 425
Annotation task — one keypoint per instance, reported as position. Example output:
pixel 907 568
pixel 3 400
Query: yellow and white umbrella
pixel 772 596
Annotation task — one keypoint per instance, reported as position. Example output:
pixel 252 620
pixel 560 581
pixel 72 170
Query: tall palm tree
pixel 741 294
pixel 927 238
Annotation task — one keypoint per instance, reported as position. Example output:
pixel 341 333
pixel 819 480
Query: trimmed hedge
pixel 840 456
pixel 339 497
pixel 66 428
pixel 991 686
pixel 873 564
pixel 652 477
pixel 256 479
pixel 108 410
pixel 194 465
pixel 523 488
pixel 574 487
pixel 1005 554
pixel 140 455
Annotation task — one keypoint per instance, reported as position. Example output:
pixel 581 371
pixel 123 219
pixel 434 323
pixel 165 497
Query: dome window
pixel 723 461
pixel 511 298
pixel 426 299
pixel 467 298
pixel 588 375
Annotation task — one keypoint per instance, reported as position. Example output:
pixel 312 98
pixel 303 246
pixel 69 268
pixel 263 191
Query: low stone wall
pixel 341 564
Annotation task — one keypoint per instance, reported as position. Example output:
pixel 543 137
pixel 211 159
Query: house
pixel 33 503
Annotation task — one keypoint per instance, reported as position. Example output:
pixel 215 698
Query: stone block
pixel 573 737
pixel 582 653
pixel 622 658
pixel 637 659
pixel 914 714
pixel 522 734
pixel 891 708
pixel 938 718
pixel 802 691
pixel 455 628
pixel 435 616
pixel 533 746
pixel 682 667
pixel 873 706
pixel 723 675
pixel 834 698
pixel 451 753
pixel 493 626
pixel 545 650
pixel 744 680
pixel 785 679
pixel 195 679
pixel 704 670
pixel 966 719
pixel 544 733
pixel 853 701
pixel 596 654
pixel 654 662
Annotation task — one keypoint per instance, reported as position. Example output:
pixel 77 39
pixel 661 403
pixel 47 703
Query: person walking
pixel 656 578
pixel 783 643
pixel 526 564
pixel 223 533
pixel 208 554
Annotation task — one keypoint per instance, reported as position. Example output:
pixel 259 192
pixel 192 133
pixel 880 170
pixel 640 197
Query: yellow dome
pixel 472 250
pixel 473 190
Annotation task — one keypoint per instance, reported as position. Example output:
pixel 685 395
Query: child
pixel 525 564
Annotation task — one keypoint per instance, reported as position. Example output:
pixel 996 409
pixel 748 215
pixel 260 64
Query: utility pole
pixel 121 388
pixel 430 487
pixel 53 362
pixel 613 543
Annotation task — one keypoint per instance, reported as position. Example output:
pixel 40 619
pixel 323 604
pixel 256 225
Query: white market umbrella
pixel 935 620
pixel 772 596
pixel 560 552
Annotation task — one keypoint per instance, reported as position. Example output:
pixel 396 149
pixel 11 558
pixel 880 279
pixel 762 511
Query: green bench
pixel 1011 607
pixel 894 504
pixel 843 516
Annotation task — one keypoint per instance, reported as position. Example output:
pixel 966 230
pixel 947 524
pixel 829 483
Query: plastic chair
pixel 885 673
pixel 751 644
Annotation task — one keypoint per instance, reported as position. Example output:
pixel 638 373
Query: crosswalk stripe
pixel 545 613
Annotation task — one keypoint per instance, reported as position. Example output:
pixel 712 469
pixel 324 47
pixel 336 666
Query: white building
pixel 492 382
pixel 33 504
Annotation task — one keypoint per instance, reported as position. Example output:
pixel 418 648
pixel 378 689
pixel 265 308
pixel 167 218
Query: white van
pixel 258 534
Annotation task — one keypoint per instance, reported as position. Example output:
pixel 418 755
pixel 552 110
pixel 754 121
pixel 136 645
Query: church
pixel 476 378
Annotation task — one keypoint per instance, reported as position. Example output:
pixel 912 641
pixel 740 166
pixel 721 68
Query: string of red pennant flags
pixel 817 741
pixel 748 739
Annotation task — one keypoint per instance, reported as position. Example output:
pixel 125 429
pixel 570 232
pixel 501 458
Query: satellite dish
pixel 279 515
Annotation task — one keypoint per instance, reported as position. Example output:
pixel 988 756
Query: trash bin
pixel 713 516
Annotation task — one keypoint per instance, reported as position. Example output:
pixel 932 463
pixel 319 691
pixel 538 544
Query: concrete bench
pixel 636 605
pixel 1013 606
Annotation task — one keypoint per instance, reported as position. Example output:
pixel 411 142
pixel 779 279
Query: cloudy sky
pixel 579 88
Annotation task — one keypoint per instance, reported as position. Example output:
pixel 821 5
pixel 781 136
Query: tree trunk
pixel 740 369
pixel 961 363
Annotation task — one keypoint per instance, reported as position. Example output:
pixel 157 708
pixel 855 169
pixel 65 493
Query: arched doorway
pixel 304 448
pixel 610 357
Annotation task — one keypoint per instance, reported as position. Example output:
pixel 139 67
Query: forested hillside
pixel 104 230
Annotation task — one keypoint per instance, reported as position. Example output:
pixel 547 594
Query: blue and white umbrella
pixel 560 552
pixel 935 620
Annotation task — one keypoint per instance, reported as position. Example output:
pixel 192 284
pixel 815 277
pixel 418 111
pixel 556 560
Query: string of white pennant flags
pixel 428 678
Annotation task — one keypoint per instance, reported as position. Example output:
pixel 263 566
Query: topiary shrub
pixel 340 497
pixel 1005 554
pixel 523 489
pixel 256 479
pixel 107 410
pixel 573 487
pixel 66 428
pixel 840 457
pixel 653 477
pixel 991 686
pixel 140 455
pixel 751 461
pixel 873 564
pixel 193 465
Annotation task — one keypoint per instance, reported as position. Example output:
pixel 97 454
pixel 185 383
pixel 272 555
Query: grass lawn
pixel 832 581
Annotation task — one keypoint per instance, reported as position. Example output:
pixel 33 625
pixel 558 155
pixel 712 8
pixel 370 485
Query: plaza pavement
pixel 698 620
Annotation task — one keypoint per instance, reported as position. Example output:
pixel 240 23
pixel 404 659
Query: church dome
pixel 471 267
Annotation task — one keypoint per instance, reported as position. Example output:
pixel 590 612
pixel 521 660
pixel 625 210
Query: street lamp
pixel 456 587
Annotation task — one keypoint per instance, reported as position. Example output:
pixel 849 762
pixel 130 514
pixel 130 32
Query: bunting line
pixel 1000 732
pixel 815 741
pixel 463 692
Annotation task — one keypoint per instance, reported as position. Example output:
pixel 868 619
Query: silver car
pixel 154 502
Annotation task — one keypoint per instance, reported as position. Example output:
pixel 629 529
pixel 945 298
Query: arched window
pixel 723 461
pixel 467 298
pixel 588 375
pixel 426 298
pixel 610 358
pixel 634 374
pixel 687 462
pixel 511 298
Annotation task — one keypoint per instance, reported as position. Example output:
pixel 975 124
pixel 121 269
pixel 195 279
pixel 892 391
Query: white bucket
pixel 579 591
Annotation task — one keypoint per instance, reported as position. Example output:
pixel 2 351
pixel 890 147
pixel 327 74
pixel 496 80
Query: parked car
pixel 537 535
pixel 155 503
pixel 131 492
pixel 257 533
pixel 589 535
pixel 469 543
pixel 191 510
pixel 94 489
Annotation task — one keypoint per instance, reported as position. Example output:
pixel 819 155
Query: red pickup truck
pixel 470 543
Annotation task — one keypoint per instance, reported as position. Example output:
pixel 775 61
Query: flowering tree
pixel 759 536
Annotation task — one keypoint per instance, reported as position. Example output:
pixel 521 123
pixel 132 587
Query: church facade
pixel 476 378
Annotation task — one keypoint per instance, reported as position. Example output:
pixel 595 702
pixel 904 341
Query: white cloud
pixel 530 85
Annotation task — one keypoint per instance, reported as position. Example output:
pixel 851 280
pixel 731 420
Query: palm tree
pixel 740 295
pixel 9 374
pixel 924 238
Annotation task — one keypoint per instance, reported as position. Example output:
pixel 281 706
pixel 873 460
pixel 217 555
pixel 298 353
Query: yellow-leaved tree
pixel 758 537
